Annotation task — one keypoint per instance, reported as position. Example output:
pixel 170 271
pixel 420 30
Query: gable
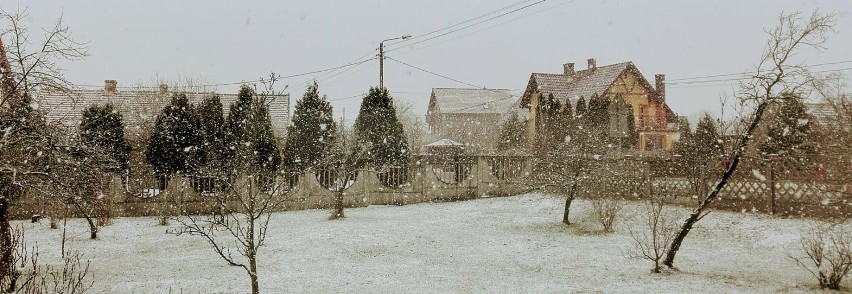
pixel 584 83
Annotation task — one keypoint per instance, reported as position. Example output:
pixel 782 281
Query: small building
pixel 469 116
pixel 139 107
pixel 655 122
pixel 444 147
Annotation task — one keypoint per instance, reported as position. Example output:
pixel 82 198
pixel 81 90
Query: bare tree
pixel 35 63
pixel 827 255
pixel 347 158
pixel 30 277
pixel 412 124
pixel 775 75
pixel 831 89
pixel 243 227
pixel 606 211
pixel 25 138
pixel 658 229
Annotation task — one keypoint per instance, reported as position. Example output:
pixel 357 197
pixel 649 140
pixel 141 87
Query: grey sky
pixel 222 42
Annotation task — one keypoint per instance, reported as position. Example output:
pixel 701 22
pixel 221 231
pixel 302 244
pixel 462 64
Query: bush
pixel 827 255
pixel 606 210
pixel 653 242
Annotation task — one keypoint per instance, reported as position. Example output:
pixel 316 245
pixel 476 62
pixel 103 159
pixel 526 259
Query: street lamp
pixel 382 58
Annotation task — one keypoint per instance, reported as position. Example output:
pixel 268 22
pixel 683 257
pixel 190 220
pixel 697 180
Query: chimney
pixel 661 86
pixel 164 88
pixel 592 64
pixel 569 68
pixel 110 87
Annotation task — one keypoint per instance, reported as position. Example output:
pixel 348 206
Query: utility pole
pixel 382 58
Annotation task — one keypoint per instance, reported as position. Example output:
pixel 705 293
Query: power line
pixel 743 78
pixel 471 25
pixel 752 72
pixel 464 22
pixel 433 73
pixel 490 27
pixel 252 81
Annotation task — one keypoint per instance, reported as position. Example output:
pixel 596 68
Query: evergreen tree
pixel 378 130
pixel 790 132
pixel 248 135
pixel 267 154
pixel 707 141
pixel 312 135
pixel 238 121
pixel 175 138
pixel 686 144
pixel 512 133
pixel 549 125
pixel 102 127
pixel 598 116
pixel 211 121
pixel 581 107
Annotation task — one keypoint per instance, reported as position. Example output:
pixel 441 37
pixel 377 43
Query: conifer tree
pixel 267 154
pixel 175 138
pixel 378 130
pixel 102 127
pixel 549 125
pixel 790 132
pixel 512 133
pixel 248 135
pixel 581 107
pixel 211 121
pixel 312 135
pixel 707 140
pixel 239 119
pixel 598 116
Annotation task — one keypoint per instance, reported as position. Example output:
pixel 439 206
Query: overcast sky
pixel 224 42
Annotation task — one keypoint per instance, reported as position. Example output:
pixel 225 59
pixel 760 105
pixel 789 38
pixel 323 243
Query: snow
pixel 501 244
pixel 758 175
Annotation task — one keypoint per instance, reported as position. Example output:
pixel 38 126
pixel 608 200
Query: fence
pixel 759 185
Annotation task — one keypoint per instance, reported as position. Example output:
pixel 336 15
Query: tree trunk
pixel 255 286
pixel 6 263
pixel 338 205
pixel 571 194
pixel 699 212
pixel 93 228
pixel 567 210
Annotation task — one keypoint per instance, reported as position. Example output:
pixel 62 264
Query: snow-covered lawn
pixel 507 245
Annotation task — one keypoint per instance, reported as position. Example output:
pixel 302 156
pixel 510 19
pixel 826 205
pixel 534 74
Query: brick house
pixel 655 122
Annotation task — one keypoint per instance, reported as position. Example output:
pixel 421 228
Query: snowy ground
pixel 508 245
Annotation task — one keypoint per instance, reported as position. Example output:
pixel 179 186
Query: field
pixel 506 245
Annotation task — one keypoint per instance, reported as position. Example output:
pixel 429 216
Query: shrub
pixel 827 255
pixel 606 210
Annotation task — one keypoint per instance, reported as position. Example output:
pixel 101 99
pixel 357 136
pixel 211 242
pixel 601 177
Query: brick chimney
pixel 569 68
pixel 661 86
pixel 592 64
pixel 110 87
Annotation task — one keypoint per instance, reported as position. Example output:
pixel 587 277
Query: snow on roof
pixel 444 143
pixel 136 106
pixel 468 100
pixel 583 83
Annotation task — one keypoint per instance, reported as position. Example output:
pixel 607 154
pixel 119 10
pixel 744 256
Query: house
pixel 469 116
pixel 655 122
pixel 139 107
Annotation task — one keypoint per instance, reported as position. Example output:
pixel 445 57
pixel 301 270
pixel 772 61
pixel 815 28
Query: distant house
pixel 468 116
pixel 140 107
pixel 655 122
